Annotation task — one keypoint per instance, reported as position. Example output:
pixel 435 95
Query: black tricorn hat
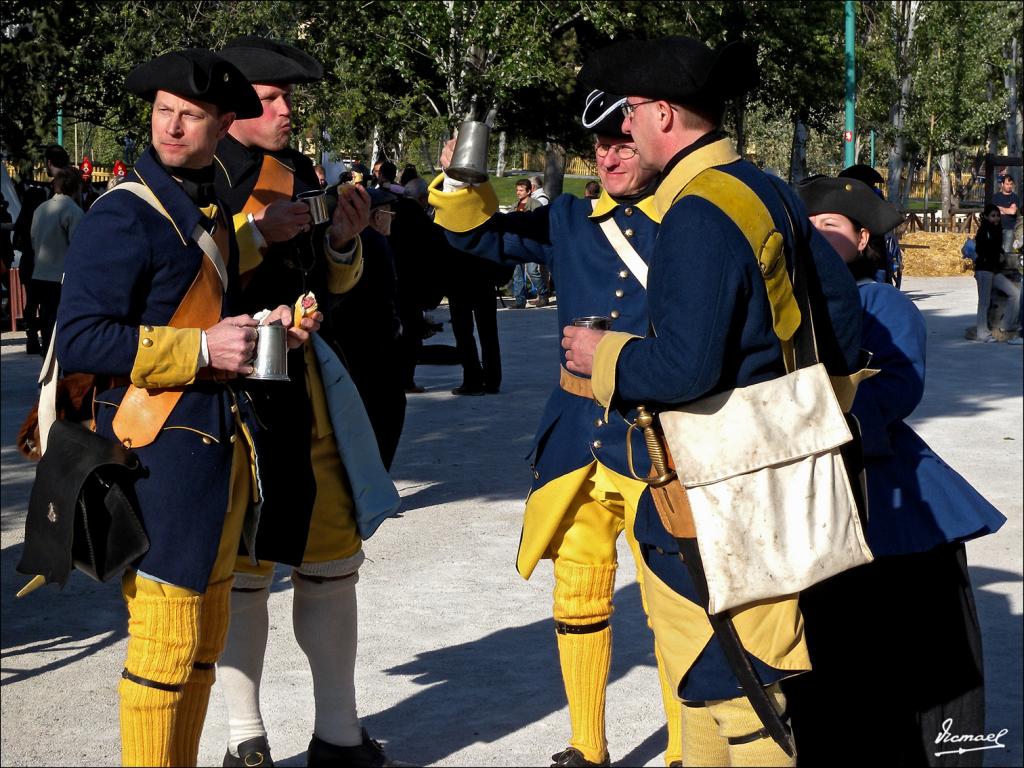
pixel 196 74
pixel 851 198
pixel 862 172
pixel 677 69
pixel 271 62
pixel 602 114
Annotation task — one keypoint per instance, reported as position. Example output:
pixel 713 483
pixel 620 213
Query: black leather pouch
pixel 82 512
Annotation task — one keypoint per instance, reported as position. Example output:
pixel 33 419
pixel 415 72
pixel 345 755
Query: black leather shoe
pixel 251 753
pixel 573 758
pixel 464 390
pixel 369 754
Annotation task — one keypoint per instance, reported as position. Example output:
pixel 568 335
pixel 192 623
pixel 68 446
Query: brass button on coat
pixel 233 438
pixel 147 342
pixel 147 328
pixel 623 273
pixel 599 423
pixel 207 441
pixel 620 293
pixel 596 444
pixel 615 313
pixel 628 233
pixel 628 211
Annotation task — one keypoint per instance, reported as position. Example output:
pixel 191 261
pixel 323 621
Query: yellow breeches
pixel 598 505
pixel 175 636
pixel 332 529
pixel 711 730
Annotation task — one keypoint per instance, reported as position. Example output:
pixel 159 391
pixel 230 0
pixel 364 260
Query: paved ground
pixel 456 659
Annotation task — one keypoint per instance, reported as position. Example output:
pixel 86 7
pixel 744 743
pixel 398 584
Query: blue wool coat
pixel 589 275
pixel 710 310
pixel 916 502
pixel 128 267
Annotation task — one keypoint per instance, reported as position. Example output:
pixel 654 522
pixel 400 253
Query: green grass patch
pixel 505 188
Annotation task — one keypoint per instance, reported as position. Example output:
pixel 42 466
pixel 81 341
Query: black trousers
pixel 469 303
pixel 46 295
pixel 896 651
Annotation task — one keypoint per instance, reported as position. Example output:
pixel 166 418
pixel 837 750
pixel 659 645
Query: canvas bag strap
pixel 623 248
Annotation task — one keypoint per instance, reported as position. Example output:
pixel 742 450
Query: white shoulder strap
pixel 622 247
pixel 200 235
pixel 47 410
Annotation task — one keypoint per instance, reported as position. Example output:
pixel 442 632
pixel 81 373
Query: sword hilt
pixel 655 449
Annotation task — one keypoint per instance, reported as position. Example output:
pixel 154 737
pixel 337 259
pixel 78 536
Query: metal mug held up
pixel 316 200
pixel 271 361
pixel 469 158
pixel 597 322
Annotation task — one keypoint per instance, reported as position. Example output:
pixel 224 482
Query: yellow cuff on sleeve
pixel 341 278
pixel 464 209
pixel 606 356
pixel 249 252
pixel 166 357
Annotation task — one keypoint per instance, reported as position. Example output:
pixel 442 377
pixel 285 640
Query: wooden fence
pixel 100 174
pixel 575 165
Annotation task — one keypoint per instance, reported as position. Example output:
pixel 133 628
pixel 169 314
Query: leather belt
pixel 575 385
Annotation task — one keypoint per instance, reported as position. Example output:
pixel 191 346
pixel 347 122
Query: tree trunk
pixel 947 190
pixel 904 198
pixel 906 10
pixel 1014 118
pixel 740 117
pixel 499 169
pixel 798 152
pixel 375 150
pixel 554 169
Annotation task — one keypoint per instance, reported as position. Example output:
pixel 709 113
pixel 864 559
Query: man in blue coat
pixel 583 494
pixel 147 309
pixel 716 328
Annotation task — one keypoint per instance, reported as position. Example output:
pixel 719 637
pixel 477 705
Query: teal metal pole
pixel 60 127
pixel 851 85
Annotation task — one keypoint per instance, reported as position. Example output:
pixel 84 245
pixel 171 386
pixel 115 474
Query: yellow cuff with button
pixel 341 276
pixel 166 357
pixel 606 357
pixel 462 209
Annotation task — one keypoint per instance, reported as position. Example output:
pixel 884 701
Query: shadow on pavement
pixel 486 689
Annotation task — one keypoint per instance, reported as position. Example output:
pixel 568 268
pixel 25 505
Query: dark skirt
pixel 896 649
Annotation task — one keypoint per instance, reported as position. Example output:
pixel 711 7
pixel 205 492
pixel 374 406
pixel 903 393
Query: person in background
pixel 321 175
pixel 592 191
pixel 409 173
pixel 895 644
pixel 53 225
pixel 527 274
pixel 1009 209
pixel 537 192
pixel 33 197
pixel 368 328
pixel 988 273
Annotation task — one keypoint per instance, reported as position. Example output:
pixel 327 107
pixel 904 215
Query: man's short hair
pixel 593 189
pixel 67 181
pixel 537 181
pixel 416 189
pixel 524 183
pixel 388 171
pixel 57 156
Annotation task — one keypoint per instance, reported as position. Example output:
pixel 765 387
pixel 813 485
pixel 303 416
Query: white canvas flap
pixel 747 428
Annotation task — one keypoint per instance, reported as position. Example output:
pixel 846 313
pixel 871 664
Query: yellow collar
pixel 606 204
pixel 717 153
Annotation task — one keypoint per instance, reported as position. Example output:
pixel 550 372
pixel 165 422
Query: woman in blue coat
pixel 895 644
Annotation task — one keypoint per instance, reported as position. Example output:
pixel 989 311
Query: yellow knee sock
pixel 673 713
pixel 736 718
pixel 162 638
pixel 583 598
pixel 213 630
pixel 702 745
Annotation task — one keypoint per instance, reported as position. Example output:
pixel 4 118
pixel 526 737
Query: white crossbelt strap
pixel 200 235
pixel 622 247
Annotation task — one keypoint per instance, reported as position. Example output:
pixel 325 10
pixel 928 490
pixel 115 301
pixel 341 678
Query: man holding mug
pixel 308 518
pixel 583 495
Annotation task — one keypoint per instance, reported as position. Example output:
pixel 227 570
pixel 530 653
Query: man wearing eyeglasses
pixel 717 329
pixel 583 493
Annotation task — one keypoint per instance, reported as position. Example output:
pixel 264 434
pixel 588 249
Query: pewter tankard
pixel 469 158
